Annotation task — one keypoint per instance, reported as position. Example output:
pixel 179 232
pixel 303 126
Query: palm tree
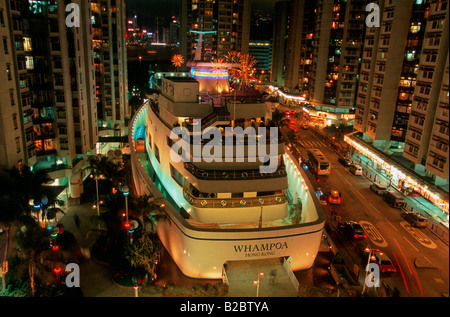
pixel 37 259
pixel 145 254
pixel 14 209
pixel 30 185
pixel 103 166
pixel 149 211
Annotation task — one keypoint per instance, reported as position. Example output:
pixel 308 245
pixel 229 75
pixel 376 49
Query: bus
pixel 318 162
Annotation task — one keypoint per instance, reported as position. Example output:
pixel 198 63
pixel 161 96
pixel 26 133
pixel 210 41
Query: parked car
pixel 356 169
pixel 377 188
pixel 383 261
pixel 415 219
pixel 352 230
pixel 394 198
pixel 334 197
pixel 345 161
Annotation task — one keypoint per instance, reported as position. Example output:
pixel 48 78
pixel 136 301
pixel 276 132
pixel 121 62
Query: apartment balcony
pixel 45 152
pixel 41 120
pixel 44 135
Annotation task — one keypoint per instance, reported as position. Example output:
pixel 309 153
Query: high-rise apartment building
pixel 262 52
pixel 280 27
pixel 299 48
pixel 53 70
pixel 226 23
pixel 427 136
pixel 319 50
pixel 110 56
pixel 51 101
pixel 403 92
pixel 13 88
pixel 337 43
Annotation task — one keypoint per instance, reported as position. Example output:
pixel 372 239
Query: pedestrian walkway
pixel 307 144
pixel 274 281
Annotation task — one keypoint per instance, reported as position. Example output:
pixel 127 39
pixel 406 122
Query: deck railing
pixel 233 174
pixel 260 201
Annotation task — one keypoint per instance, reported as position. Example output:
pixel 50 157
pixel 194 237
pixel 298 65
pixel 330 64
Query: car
pixel 394 198
pixel 352 230
pixel 334 197
pixel 305 126
pixel 415 219
pixel 289 114
pixel 345 160
pixel 383 261
pixel 377 188
pixel 356 169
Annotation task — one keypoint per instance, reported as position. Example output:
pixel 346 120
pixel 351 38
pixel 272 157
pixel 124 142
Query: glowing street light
pixel 126 192
pixel 257 283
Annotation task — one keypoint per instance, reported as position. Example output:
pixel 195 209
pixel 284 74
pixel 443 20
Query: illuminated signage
pixel 322 114
pixel 206 73
pixel 348 116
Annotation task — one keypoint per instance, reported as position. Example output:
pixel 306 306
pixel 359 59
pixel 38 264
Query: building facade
pixel 110 56
pixel 337 48
pixel 402 92
pixel 52 102
pixel 226 22
pixel 280 28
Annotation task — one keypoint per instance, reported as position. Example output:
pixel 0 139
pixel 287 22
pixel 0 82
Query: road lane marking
pixel 418 235
pixel 391 224
pixel 347 181
pixel 373 234
pixel 360 195
pixel 336 171
pixel 375 208
pixel 410 243
pixel 364 200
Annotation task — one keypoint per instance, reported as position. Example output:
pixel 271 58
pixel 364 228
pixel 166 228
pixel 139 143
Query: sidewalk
pixel 95 279
pixel 418 204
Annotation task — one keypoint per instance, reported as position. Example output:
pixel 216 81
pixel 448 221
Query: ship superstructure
pixel 213 156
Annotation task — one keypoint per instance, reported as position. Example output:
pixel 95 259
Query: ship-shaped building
pixel 231 191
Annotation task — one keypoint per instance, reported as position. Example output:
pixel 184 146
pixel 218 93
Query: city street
pixel 420 257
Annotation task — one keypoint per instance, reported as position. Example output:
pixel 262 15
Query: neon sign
pixel 206 73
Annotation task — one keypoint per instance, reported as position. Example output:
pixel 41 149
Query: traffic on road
pixel 365 218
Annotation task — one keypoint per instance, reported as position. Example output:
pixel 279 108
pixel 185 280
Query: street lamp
pixel 367 249
pixel 135 281
pixel 256 283
pixel 126 192
pixel 97 203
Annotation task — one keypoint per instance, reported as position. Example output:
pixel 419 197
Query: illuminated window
pixel 29 62
pixel 27 44
pixel 415 27
pixel 8 71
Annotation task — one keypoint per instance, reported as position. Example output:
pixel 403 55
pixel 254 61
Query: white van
pixel 356 169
